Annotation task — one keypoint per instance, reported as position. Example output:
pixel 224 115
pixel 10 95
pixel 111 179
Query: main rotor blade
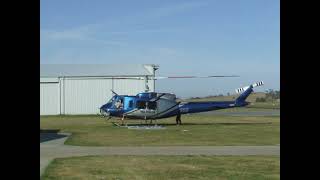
pixel 183 77
pixel 169 77
pixel 133 78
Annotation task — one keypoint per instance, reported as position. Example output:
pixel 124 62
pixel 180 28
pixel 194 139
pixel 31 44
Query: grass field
pixel 164 167
pixel 196 130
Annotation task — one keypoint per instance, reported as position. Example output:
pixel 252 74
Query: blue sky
pixel 210 37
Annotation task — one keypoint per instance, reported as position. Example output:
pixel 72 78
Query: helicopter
pixel 153 105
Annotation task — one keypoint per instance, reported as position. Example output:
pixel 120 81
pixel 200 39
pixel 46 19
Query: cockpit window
pixel 119 104
pixel 111 100
pixel 152 105
pixel 130 104
pixel 146 105
pixel 141 104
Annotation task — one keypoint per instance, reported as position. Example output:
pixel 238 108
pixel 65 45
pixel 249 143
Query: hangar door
pixel 49 98
pixel 85 95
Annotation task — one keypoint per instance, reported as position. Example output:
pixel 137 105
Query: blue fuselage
pixel 133 107
pixel 152 105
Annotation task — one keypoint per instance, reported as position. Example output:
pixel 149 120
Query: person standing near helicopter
pixel 119 105
pixel 178 118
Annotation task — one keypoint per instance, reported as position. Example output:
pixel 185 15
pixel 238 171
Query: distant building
pixel 83 88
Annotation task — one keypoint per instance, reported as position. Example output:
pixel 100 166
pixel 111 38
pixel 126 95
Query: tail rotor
pixel 245 92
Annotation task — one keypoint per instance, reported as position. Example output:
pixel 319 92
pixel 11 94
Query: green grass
pixel 164 167
pixel 201 130
pixel 264 105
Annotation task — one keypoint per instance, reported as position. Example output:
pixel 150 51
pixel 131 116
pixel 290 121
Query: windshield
pixel 116 102
pixel 111 100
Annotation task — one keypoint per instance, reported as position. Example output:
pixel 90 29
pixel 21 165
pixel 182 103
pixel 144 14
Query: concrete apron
pixel 55 148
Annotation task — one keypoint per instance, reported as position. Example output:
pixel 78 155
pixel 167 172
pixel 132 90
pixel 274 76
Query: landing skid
pixel 140 127
pixel 118 125
pixel 150 123
pixel 147 126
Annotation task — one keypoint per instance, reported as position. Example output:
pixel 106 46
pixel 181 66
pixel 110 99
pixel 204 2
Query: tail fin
pixel 245 92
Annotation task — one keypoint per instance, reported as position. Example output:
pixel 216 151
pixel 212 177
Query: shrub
pixel 261 99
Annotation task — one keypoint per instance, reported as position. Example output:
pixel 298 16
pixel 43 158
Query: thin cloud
pixel 137 22
pixel 146 30
pixel 76 33
pixel 88 32
pixel 84 33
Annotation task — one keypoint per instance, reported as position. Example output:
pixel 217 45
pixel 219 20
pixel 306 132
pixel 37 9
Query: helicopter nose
pixel 104 113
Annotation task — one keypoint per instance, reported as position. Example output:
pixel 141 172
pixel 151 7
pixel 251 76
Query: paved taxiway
pixel 52 146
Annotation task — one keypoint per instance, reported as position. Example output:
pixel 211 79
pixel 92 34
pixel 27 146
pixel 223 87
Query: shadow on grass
pixel 50 134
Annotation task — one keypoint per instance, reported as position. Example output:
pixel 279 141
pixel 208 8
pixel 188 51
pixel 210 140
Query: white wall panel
pixel 49 80
pixel 49 99
pixel 85 96
pixel 151 85
pixel 128 87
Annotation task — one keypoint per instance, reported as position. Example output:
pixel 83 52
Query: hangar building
pixel 83 88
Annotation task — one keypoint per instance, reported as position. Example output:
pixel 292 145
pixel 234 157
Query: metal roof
pixel 65 70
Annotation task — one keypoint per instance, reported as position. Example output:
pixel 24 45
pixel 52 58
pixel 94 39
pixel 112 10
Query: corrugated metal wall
pixel 128 87
pixel 84 95
pixel 49 98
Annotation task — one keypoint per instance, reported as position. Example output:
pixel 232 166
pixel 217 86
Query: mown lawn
pixel 164 167
pixel 197 130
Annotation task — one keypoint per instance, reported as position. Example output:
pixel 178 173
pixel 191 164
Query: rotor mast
pixel 152 77
pixel 146 84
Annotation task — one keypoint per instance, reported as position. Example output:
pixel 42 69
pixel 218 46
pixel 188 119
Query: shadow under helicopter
pixel 197 124
pixel 50 134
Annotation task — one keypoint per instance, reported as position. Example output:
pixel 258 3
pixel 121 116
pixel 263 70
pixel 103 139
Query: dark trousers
pixel 178 119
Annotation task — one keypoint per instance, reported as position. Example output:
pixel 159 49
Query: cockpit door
pixel 128 103
pixel 118 103
pixel 147 108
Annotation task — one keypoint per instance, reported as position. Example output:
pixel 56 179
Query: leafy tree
pixel 272 95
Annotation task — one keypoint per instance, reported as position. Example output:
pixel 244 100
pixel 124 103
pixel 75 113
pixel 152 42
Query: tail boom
pixel 195 107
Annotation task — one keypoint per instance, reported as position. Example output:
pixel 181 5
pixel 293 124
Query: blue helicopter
pixel 153 105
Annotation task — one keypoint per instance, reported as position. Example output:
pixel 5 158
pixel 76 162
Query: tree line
pixel 271 95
